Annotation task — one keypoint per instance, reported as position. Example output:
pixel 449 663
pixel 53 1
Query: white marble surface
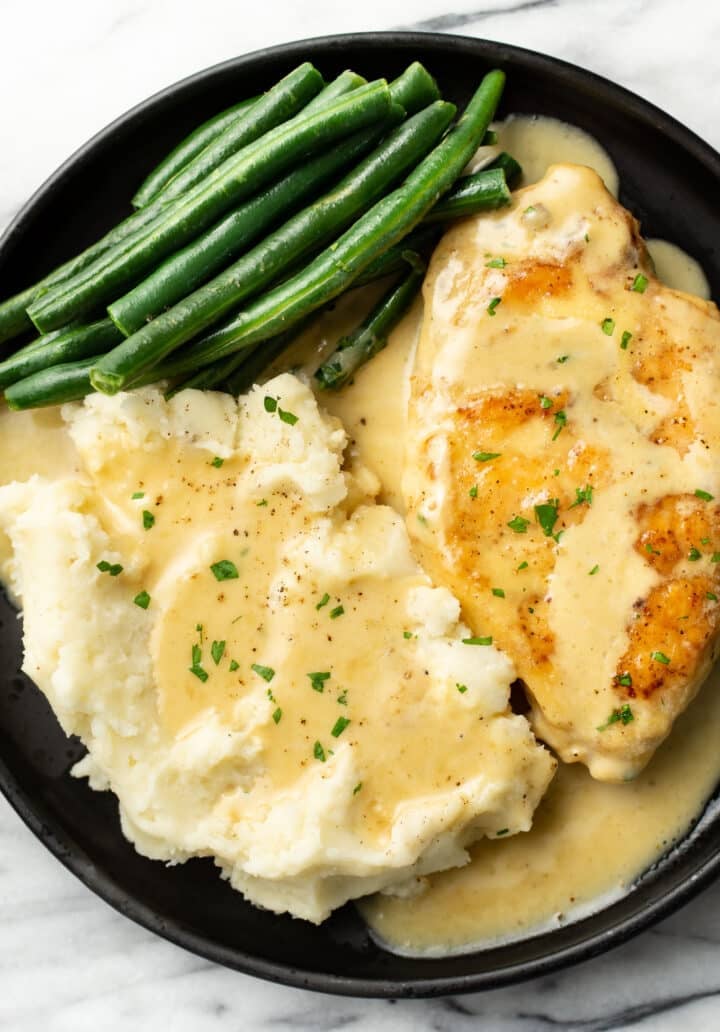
pixel 68 962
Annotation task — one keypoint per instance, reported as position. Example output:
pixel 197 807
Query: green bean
pixel 508 164
pixel 279 103
pixel 53 386
pixel 67 346
pixel 234 181
pixel 371 336
pixel 185 151
pixel 384 225
pixel 481 191
pixel 311 228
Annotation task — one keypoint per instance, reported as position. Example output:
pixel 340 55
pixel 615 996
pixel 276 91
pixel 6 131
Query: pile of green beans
pixel 261 216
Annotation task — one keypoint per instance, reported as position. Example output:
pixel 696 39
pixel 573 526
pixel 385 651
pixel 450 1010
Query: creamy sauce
pixel 590 840
pixel 676 268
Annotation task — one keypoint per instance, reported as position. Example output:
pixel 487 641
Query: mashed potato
pixel 258 667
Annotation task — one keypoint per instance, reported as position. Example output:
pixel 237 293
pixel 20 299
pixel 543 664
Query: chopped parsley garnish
pixel 493 305
pixel 705 495
pixel 462 688
pixel 625 339
pixel 319 752
pixel 407 635
pixel 623 715
pixel 705 541
pixel 485 456
pixel 196 655
pixel 503 831
pixel 498 592
pixel 199 629
pixel 625 680
pixel 287 417
pixel 339 726
pixel 261 503
pixel 660 657
pixel 357 788
pixel 201 674
pixel 112 568
pixel 336 612
pixel 217 651
pixel 342 698
pixel 556 472
pixel 583 496
pixel 561 422
pixel 266 672
pixel 225 569
pixel 608 327
pixel 234 665
pixel 270 403
pixel 546 515
pixel 519 524
pixel 531 609
pixel 522 566
pixel 529 210
pixel 277 715
pixel 639 283
pixel 473 491
pixel 715 557
pixel 711 596
pixel 142 599
pixel 496 263
pixel 137 494
pixel 562 359
pixel 694 554
pixel 148 519
pixel 591 573
pixel 217 462
pixel 323 601
pixel 545 402
pixel 650 550
pixel 317 680
pixel 478 641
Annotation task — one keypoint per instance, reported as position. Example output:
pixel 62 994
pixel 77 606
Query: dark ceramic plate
pixel 670 180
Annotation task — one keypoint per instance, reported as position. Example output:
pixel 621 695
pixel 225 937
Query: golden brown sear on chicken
pixel 562 471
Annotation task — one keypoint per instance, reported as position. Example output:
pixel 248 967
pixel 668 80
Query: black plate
pixel 670 180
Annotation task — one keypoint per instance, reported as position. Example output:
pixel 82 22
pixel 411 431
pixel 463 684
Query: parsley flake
pixel 623 715
pixel 545 402
pixel 339 726
pixel 625 339
pixel 478 641
pixel 217 651
pixel 277 715
pixel 705 495
pixel 342 698
pixel 496 263
pixel 201 674
pixel 639 284
pixel 270 403
pixel 142 599
pixel 266 672
pixel 261 503
pixel 287 417
pixel 608 327
pixel 112 568
pixel 522 566
pixel 660 657
pixel 498 592
pixel 711 596
pixel 224 569
pixel 407 635
pixel 473 491
pixel 591 573
pixel 519 524
pixel 148 519
pixel 234 665
pixel 715 557
pixel 336 612
pixel 323 601
pixel 562 359
pixel 583 496
pixel 503 831
pixel 493 305
pixel 462 688
pixel 546 515
pixel 625 680
pixel 561 423
pixel 319 752
pixel 137 494
pixel 317 680
pixel 217 462
pixel 694 554
pixel 486 456
pixel 357 788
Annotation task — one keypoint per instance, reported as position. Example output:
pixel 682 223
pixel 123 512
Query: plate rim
pixel 34 813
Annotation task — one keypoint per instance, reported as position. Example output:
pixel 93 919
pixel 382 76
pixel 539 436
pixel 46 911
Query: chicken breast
pixel 562 472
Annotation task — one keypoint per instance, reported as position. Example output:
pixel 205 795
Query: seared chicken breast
pixel 562 472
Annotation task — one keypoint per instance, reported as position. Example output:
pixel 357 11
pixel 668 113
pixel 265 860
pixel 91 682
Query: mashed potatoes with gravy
pixel 259 669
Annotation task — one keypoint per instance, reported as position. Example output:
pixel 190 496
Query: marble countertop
pixel 67 961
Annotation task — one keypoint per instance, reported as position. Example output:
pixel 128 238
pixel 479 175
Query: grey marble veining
pixel 69 963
